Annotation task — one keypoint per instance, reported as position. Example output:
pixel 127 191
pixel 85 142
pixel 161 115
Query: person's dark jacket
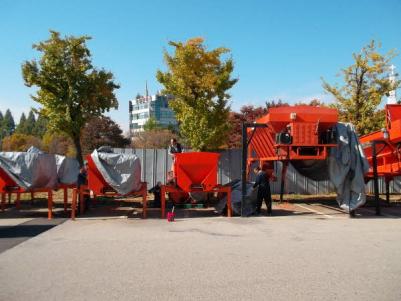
pixel 173 149
pixel 262 181
pixel 82 179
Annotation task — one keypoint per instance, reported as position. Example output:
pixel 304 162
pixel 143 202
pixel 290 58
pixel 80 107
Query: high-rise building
pixel 144 107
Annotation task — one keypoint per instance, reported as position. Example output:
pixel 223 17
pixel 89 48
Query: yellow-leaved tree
pixel 365 83
pixel 199 80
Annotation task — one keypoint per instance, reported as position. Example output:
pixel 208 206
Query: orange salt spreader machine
pixel 299 134
pixel 194 172
pixel 99 186
pixel 383 151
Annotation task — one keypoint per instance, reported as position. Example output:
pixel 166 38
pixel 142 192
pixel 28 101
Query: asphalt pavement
pixel 303 252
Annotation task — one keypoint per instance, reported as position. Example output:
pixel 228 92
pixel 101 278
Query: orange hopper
pixel 293 133
pixel 195 172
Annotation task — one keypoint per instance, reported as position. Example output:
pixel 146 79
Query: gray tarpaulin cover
pixel 31 169
pixel 236 195
pixel 36 169
pixel 67 169
pixel 347 166
pixel 121 171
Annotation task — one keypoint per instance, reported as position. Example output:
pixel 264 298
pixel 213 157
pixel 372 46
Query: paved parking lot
pixel 306 251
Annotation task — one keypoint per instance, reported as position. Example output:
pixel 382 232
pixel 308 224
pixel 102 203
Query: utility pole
pixel 245 144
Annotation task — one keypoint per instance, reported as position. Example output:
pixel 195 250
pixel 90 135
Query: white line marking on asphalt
pixel 315 211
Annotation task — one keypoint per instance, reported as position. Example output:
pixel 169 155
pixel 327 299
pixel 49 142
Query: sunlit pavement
pixel 303 252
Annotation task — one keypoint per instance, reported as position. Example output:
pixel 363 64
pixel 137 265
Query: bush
pixel 20 143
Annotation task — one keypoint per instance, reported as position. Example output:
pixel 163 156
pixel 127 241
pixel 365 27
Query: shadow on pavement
pixel 11 236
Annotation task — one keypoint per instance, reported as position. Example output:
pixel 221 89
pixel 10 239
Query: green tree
pixel 30 123
pixel 199 79
pixel 151 124
pixel 40 128
pixel 21 127
pixel 365 83
pixel 8 124
pixel 71 90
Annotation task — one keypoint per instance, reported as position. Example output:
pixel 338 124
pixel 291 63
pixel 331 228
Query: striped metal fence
pixel 156 163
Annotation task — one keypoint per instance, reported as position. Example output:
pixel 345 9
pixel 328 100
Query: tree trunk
pixel 78 149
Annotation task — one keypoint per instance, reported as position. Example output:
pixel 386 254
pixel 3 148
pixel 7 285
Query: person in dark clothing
pixel 82 177
pixel 82 180
pixel 174 147
pixel 156 190
pixel 263 185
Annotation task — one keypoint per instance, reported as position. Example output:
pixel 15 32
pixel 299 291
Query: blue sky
pixel 281 49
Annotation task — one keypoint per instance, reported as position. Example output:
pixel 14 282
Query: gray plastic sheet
pixel 347 165
pixel 30 170
pixel 67 170
pixel 236 195
pixel 121 171
pixel 35 169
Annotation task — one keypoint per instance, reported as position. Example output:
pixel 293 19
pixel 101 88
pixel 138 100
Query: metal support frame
pixel 172 188
pixel 20 191
pixel 387 182
pixel 78 195
pixel 283 176
pixel 245 143
pixel 375 174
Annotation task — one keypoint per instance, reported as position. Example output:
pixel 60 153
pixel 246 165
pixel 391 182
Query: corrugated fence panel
pixel 156 163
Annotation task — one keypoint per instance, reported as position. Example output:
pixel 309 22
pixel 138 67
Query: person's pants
pixel 157 200
pixel 264 195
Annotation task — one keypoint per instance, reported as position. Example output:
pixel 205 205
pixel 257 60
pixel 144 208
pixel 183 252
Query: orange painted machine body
pixel 96 182
pixel 389 152
pixel 98 185
pixel 7 184
pixel 292 133
pixel 196 170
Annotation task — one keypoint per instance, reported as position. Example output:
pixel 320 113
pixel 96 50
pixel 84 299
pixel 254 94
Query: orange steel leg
pixel 18 201
pixel 65 198
pixel 3 201
pixel 49 204
pixel 163 201
pixel 73 203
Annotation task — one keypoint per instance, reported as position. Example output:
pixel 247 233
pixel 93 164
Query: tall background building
pixel 144 107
